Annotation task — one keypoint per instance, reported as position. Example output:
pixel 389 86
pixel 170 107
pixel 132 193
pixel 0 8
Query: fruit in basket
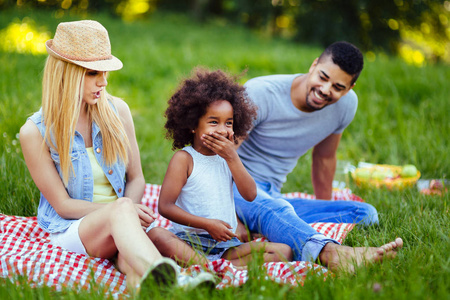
pixel 408 171
pixel 363 173
pixel 382 174
pixel 389 176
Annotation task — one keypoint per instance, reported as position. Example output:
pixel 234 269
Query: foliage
pixel 372 25
pixel 127 9
pixel 402 118
pixel 418 30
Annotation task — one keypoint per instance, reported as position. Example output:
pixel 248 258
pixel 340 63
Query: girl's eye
pixel 92 73
pixel 230 123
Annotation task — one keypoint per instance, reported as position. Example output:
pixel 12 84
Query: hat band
pixel 106 57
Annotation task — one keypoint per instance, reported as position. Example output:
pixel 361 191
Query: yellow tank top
pixel 103 191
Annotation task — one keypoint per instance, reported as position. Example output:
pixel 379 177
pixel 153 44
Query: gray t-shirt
pixel 282 133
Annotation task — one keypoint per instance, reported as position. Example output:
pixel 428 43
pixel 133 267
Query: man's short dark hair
pixel 347 56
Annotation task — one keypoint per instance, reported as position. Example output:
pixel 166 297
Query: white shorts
pixel 69 239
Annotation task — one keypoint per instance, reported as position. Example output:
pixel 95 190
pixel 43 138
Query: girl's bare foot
pixel 339 258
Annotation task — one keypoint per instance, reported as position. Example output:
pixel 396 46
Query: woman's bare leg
pixel 117 228
pixel 133 279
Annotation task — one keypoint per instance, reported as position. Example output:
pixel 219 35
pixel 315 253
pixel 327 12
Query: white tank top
pixel 208 192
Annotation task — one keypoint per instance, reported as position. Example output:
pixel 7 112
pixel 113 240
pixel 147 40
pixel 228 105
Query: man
pixel 296 113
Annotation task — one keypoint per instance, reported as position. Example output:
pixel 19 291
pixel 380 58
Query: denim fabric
pixel 80 184
pixel 206 244
pixel 286 221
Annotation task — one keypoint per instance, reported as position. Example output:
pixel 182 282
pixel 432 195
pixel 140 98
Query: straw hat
pixel 84 43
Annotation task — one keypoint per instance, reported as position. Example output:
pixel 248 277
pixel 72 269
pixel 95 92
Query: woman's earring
pixel 193 131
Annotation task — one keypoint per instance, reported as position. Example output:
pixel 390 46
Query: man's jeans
pixel 283 220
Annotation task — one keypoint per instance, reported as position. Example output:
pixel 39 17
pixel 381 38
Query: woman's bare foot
pixel 339 258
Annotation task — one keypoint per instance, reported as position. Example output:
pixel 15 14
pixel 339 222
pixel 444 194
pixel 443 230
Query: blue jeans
pixel 283 220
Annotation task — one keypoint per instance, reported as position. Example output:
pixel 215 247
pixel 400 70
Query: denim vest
pixel 80 184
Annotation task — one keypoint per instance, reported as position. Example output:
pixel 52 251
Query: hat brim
pixel 111 64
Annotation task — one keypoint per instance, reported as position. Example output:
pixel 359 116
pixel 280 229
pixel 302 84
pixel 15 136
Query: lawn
pixel 402 118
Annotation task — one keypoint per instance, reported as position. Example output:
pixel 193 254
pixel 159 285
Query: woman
pixel 82 154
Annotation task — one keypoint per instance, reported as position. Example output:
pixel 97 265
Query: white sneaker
pixel 162 273
pixel 202 280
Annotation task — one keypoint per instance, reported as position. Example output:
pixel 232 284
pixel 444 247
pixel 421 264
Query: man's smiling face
pixel 327 83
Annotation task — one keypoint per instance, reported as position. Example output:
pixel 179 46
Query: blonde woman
pixel 82 154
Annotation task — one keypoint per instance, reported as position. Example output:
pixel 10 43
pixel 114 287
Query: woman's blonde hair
pixel 62 92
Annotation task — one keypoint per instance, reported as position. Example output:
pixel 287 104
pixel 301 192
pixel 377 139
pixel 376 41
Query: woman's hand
pixel 146 215
pixel 219 230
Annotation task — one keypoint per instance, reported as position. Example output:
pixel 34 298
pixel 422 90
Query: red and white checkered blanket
pixel 25 251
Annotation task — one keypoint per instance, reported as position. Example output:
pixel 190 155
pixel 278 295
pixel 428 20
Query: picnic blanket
pixel 25 250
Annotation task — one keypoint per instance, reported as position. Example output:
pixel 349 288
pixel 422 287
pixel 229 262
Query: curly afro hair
pixel 195 94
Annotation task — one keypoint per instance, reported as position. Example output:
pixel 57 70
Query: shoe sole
pixel 163 273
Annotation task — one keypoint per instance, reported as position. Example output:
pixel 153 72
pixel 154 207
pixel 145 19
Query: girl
pixel 81 151
pixel 208 114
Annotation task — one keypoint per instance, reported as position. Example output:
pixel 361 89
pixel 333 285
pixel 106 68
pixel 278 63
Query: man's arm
pixel 324 166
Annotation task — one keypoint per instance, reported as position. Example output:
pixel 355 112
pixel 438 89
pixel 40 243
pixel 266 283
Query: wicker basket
pixel 394 182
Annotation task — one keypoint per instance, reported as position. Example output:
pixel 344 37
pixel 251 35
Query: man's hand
pixel 242 233
pixel 245 235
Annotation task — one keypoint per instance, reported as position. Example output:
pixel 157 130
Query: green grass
pixel 402 118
